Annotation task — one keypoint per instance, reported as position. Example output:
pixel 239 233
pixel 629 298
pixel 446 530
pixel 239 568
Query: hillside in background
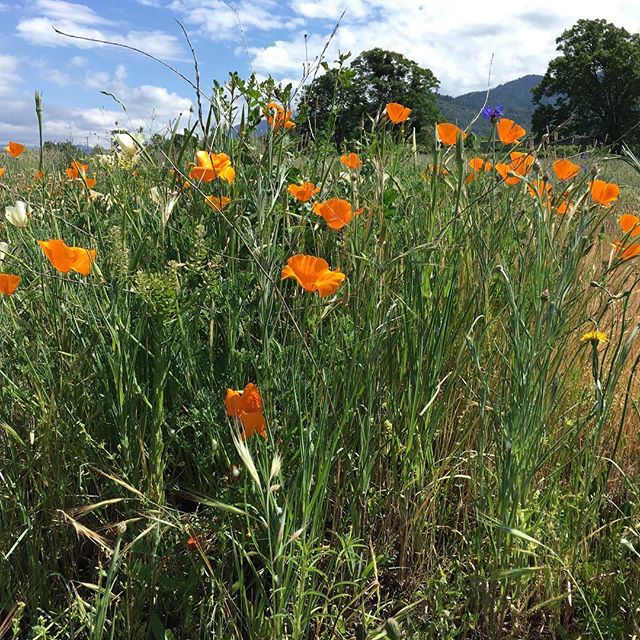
pixel 514 96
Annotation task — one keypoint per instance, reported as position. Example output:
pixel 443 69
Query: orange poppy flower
pixel 303 192
pixel 604 193
pixel 14 149
pixel 563 207
pixel 352 161
pixel 565 169
pixel 278 116
pixel 65 258
pixel 509 132
pixel 313 274
pixel 448 133
pixel 217 203
pixel 2 171
pixel 247 407
pixel 211 166
pixel 397 112
pixel 8 283
pixel 78 171
pixel 438 168
pixel 629 224
pixel 336 211
pixel 38 175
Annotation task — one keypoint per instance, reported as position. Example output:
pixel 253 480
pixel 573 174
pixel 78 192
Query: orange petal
pixel 448 133
pixel 232 402
pixel 604 193
pixel 217 203
pixel 203 159
pixel 65 258
pixel 565 169
pixel 305 269
pixel 328 282
pixel 509 132
pixel 503 169
pixel 82 260
pixel 336 212
pixel 478 164
pixel 202 174
pixel 251 400
pixel 8 283
pixel 14 149
pixel 352 161
pixel 253 423
pixel 629 224
pixel 303 192
pixel 626 252
pixel 397 112
pixel 539 188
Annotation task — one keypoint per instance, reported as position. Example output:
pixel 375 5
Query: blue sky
pixel 454 38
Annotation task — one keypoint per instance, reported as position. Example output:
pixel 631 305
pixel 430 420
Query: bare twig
pixel 130 48
pixel 486 96
pixel 244 39
pixel 197 72
pixel 318 60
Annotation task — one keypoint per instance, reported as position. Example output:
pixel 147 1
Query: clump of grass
pixel 442 454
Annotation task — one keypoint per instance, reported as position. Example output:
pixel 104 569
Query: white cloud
pixel 217 21
pixel 61 10
pixel 57 77
pixel 148 107
pixel 454 39
pixel 9 77
pixel 81 20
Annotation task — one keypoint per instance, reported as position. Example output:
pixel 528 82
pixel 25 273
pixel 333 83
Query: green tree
pixel 340 101
pixel 593 87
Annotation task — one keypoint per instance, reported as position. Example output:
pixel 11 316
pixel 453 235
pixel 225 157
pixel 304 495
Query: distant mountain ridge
pixel 515 97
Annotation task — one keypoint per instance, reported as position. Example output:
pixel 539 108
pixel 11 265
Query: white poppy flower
pixel 127 143
pixel 4 249
pixel 17 214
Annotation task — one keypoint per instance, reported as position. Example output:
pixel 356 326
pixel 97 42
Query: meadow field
pixel 252 387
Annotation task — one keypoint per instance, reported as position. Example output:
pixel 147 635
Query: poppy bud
pixel 392 629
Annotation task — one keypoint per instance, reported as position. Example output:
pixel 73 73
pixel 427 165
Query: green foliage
pixel 444 457
pixel 591 92
pixel 342 101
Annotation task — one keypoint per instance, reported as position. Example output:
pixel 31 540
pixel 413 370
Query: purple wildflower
pixel 493 113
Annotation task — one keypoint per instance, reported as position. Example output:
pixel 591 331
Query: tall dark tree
pixel 341 99
pixel 593 87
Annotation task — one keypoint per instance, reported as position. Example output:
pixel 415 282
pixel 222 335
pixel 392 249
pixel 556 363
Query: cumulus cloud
pixel 218 21
pixel 81 20
pixel 148 107
pixel 9 77
pixel 457 50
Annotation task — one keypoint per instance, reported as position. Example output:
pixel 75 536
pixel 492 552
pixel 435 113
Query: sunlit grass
pixel 441 443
